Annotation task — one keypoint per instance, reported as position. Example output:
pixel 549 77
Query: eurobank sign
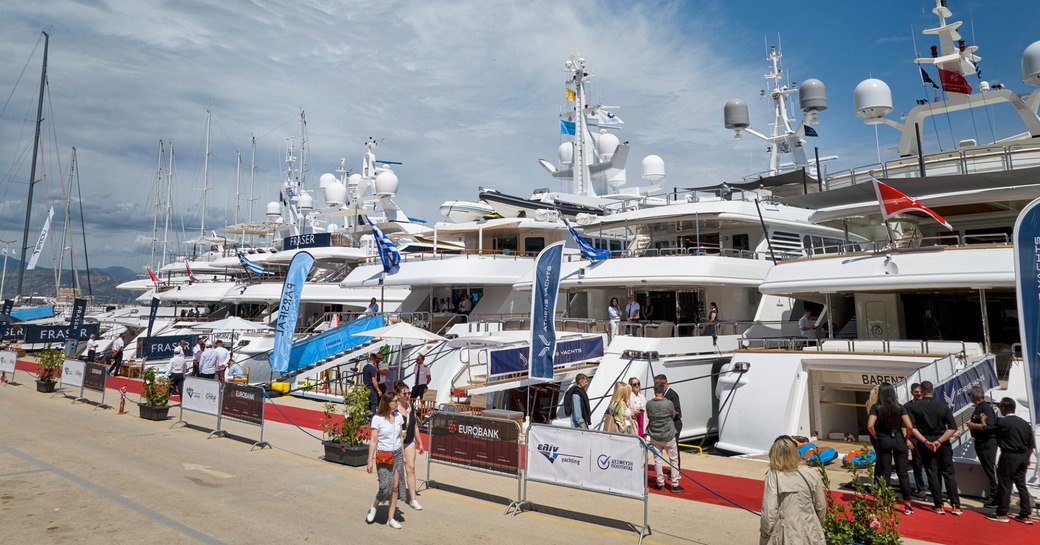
pixel 508 361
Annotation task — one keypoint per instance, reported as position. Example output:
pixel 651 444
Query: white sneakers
pixel 371 515
pixel 393 524
pixel 414 504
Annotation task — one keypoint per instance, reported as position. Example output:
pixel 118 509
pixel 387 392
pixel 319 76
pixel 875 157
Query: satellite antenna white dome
pixel 1031 64
pixel 735 116
pixel 274 210
pixel 335 193
pixel 812 96
pixel 332 228
pixel 353 181
pixel 606 144
pixel 872 99
pixel 326 179
pixel 653 168
pixel 566 154
pixel 305 202
pixel 386 183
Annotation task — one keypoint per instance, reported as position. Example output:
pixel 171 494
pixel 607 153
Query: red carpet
pixel 970 529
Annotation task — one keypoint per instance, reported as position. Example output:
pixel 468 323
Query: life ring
pixel 815 455
pixel 860 458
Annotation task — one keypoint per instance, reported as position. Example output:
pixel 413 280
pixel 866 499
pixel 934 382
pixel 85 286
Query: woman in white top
pixel 614 313
pixel 386 438
pixel 637 404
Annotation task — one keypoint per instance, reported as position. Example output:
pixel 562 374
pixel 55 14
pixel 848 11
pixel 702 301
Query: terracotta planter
pixel 154 413
pixel 45 386
pixel 354 456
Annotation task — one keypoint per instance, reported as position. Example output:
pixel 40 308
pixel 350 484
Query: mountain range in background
pixel 40 281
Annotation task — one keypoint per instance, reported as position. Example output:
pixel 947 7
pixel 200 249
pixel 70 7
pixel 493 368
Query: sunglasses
pixel 634 384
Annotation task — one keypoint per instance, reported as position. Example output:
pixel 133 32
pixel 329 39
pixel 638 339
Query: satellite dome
pixel 653 168
pixel 274 209
pixel 353 180
pixel 872 99
pixel 566 154
pixel 1031 64
pixel 386 183
pixel 606 144
pixel 305 202
pixel 335 193
pixel 812 96
pixel 735 115
pixel 326 179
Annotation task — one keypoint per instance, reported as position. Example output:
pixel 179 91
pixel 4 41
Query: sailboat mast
pixel 238 184
pixel 158 202
pixel 252 182
pixel 169 205
pixel 32 171
pixel 65 229
pixel 205 174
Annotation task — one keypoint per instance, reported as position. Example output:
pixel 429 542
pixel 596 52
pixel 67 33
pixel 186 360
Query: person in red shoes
pixel 1017 445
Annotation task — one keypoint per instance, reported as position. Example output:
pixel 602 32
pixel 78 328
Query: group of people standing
pixel 659 420
pixel 445 304
pixel 208 360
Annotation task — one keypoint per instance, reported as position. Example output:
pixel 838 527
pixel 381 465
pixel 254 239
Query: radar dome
pixel 353 181
pixel 872 99
pixel 653 168
pixel 305 202
pixel 335 193
pixel 1031 64
pixel 386 183
pixel 274 209
pixel 606 144
pixel 735 114
pixel 812 96
pixel 326 179
pixel 566 154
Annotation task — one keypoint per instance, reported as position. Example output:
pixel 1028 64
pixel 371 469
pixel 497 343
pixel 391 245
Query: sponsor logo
pixel 251 396
pixel 478 432
pixel 553 454
pixel 605 462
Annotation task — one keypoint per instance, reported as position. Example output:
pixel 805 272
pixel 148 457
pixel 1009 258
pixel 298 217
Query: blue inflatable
pixel 815 455
pixel 860 458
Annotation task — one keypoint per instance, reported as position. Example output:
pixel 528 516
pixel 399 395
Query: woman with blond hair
pixel 384 452
pixel 793 505
pixel 619 416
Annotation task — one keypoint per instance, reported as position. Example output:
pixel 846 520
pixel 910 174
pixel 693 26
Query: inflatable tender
pixel 860 458
pixel 815 455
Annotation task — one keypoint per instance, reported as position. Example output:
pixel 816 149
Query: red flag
pixel 191 275
pixel 152 275
pixel 894 201
pixel 954 82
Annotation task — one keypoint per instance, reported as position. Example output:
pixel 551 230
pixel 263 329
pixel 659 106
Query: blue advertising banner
pixel 546 285
pixel 151 315
pixel 44 334
pixel 1027 275
pixel 954 390
pixel 318 347
pixel 313 240
pixel 79 309
pixel 288 310
pixel 160 348
pixel 514 360
pixel 10 332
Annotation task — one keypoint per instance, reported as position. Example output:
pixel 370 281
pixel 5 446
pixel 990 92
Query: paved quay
pixel 77 474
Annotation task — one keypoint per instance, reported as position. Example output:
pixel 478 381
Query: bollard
pixel 122 400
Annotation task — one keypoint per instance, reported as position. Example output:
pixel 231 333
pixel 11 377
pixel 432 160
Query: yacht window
pixel 504 243
pixel 741 242
pixel 533 245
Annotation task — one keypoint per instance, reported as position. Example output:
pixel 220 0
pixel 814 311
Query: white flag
pixel 39 243
pixel 607 118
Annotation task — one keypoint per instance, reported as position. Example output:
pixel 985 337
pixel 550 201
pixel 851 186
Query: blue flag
pixel 809 131
pixel 587 250
pixel 289 310
pixel 925 78
pixel 248 265
pixel 546 286
pixel 151 314
pixel 388 253
pixel 567 127
pixel 978 70
pixel 1027 258
pixel 79 309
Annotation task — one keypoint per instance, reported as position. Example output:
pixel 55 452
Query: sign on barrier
pixel 473 441
pixel 201 395
pixel 245 403
pixel 8 359
pixel 72 373
pixel 94 377
pixel 601 462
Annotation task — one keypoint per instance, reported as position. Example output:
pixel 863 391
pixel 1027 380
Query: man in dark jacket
pixel 915 445
pixel 1017 445
pixel 935 425
pixel 983 419
pixel 576 403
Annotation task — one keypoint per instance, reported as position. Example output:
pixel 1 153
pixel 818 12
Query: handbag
pixel 384 458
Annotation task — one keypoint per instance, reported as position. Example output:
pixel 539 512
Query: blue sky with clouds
pixel 466 94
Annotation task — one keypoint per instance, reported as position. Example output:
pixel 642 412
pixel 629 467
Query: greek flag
pixel 388 253
pixel 587 250
pixel 248 265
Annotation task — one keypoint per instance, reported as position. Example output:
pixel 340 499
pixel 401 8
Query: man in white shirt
pixel 178 367
pixel 196 356
pixel 208 363
pixel 632 312
pixel 117 354
pixel 235 371
pixel 422 377
pixel 807 326
pixel 92 345
pixel 222 357
pixel 464 305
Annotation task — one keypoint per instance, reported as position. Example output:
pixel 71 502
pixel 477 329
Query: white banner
pixel 201 395
pixel 72 373
pixel 7 359
pixel 39 242
pixel 590 460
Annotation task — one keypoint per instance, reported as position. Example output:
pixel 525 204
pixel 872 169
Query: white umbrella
pixel 402 331
pixel 232 323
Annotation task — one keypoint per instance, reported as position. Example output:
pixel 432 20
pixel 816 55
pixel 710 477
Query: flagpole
pixel 382 293
pixel 888 229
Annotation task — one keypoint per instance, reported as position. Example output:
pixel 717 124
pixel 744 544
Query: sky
pixel 465 94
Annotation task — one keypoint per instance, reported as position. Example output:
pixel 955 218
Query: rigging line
pixel 222 131
pixel 83 231
pixel 284 123
pixel 20 74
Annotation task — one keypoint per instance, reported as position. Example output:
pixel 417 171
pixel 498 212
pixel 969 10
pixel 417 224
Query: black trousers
pixel 91 356
pixel 939 464
pixel 986 451
pixel 893 449
pixel 117 363
pixel 1012 471
pixel 178 383
pixel 419 391
pixel 917 466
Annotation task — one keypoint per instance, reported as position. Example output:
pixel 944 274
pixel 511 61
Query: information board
pixel 613 463
pixel 72 373
pixel 245 403
pixel 94 377
pixel 201 395
pixel 473 441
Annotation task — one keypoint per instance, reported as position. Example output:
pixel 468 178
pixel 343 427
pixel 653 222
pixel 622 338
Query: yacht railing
pixel 872 346
pixel 996 158
pixel 944 240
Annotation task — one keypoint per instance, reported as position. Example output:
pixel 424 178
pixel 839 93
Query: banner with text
pixel 245 403
pixel 8 358
pixel 484 443
pixel 151 315
pixel 201 395
pixel 94 376
pixel 312 240
pixel 288 311
pixel 546 287
pixel 612 463
pixel 160 348
pixel 44 334
pixel 1027 276
pixel 11 332
pixel 79 309
pixel 514 360
pixel 72 373
pixel 954 390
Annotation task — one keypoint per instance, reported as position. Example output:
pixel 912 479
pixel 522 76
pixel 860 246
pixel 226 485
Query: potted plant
pixel 346 431
pixel 868 519
pixel 156 395
pixel 48 368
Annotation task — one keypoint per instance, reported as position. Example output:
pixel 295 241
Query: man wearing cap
pixel 208 362
pixel 222 359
